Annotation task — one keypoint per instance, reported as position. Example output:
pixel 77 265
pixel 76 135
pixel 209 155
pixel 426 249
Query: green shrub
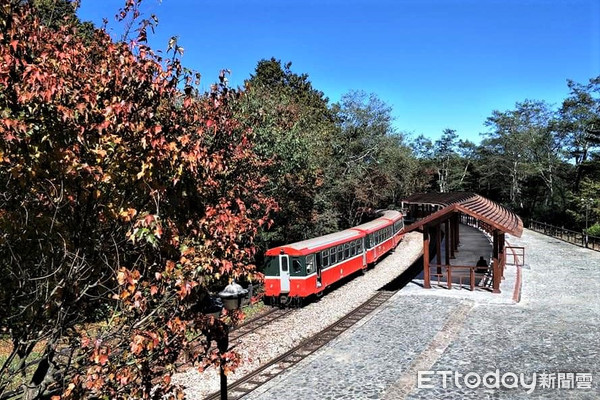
pixel 594 230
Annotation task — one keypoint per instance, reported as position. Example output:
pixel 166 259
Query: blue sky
pixel 438 63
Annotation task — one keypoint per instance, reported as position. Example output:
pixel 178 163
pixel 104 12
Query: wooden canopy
pixel 471 204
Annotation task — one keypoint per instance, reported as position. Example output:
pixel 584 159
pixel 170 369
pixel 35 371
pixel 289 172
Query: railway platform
pixel 455 344
pixel 473 244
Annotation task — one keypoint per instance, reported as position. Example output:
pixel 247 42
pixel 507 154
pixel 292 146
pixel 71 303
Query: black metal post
pixel 223 380
pixel 232 298
pixel 223 345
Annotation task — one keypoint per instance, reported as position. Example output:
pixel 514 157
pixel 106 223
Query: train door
pixel 364 251
pixel 319 268
pixel 284 273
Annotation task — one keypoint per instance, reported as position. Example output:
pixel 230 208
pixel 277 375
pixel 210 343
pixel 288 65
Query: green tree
pixel 447 161
pixel 510 144
pixel 365 172
pixel 444 157
pixel 292 125
pixel 580 126
pixel 57 13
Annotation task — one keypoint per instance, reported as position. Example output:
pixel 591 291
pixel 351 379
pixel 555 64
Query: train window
pixel 359 247
pixel 325 257
pixel 332 256
pixel 353 249
pixel 284 264
pixel 296 266
pixel 346 251
pixel 340 251
pixel 310 259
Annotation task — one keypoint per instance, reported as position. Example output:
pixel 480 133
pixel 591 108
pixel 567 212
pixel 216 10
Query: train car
pixel 302 269
pixel 382 234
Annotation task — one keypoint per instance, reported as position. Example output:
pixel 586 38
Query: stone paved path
pixel 554 329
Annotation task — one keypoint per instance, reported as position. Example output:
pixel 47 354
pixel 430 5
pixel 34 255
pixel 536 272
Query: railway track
pixel 256 323
pixel 278 365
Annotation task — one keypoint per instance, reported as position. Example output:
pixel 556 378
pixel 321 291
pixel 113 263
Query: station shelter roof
pixel 488 211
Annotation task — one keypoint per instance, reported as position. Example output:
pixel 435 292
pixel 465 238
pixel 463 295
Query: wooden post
pixel 438 247
pixel 502 255
pixel 452 236
pixel 447 241
pixel 457 233
pixel 472 278
pixel 449 276
pixel 497 273
pixel 426 277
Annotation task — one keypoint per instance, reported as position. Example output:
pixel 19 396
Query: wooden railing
pixel 517 253
pixel 574 237
pixel 474 222
pixel 457 271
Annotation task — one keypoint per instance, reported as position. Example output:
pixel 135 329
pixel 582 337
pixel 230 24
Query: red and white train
pixel 299 270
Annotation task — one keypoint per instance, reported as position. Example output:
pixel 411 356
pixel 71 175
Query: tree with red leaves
pixel 122 191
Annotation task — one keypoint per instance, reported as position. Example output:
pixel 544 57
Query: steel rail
pixel 255 323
